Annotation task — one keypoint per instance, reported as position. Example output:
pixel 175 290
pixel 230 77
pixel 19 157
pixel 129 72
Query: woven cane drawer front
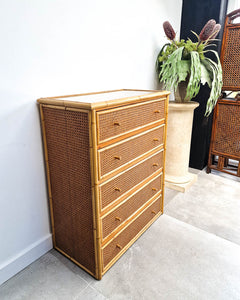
pixel 115 122
pixel 118 155
pixel 114 219
pixel 129 233
pixel 122 183
pixel 227 138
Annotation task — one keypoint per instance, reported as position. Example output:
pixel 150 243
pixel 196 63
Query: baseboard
pixel 24 258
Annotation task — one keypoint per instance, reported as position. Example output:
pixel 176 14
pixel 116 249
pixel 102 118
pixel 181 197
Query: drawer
pixel 129 233
pixel 125 181
pixel 115 122
pixel 117 155
pixel 114 219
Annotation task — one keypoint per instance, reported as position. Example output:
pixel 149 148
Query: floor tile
pixel 174 260
pixel 90 293
pixel 46 278
pixel 212 204
pixel 190 252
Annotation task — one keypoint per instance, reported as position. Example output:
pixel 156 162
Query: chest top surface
pixel 101 99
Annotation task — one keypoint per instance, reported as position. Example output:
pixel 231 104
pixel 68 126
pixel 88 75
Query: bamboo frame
pixel 98 214
pixel 75 261
pixel 47 173
pixel 96 194
pixel 164 152
pixel 94 209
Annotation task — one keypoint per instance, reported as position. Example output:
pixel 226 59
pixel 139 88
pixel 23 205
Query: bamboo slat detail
pixel 101 198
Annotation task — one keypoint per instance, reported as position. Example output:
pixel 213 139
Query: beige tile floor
pixel 191 252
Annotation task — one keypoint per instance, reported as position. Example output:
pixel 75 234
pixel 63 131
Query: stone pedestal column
pixel 179 130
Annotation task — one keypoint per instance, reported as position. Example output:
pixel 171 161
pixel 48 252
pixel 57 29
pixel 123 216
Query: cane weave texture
pixel 116 187
pixel 124 211
pixel 227 138
pixel 231 59
pixel 113 249
pixel 118 121
pixel 119 154
pixel 107 192
pixel 224 152
pixel 67 135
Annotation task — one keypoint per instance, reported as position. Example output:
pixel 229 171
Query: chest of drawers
pixel 104 157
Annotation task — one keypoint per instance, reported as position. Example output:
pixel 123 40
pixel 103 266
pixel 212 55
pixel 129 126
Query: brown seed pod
pixel 207 30
pixel 169 31
pixel 216 29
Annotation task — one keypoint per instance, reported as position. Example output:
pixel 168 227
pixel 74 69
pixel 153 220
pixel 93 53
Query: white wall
pixel 56 47
pixel 233 5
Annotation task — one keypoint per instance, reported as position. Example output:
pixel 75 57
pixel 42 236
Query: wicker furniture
pixel 104 155
pixel 224 153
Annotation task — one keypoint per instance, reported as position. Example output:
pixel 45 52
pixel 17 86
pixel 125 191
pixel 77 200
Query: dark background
pixel 195 14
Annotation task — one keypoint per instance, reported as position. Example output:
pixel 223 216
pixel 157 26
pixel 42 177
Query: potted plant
pixel 182 65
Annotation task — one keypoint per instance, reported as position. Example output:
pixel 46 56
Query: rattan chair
pixel 224 153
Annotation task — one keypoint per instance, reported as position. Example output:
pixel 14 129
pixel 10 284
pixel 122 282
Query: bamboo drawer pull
pixel 116 123
pixel 157 111
pixel 154 189
pixel 117 157
pixel 153 212
pixel 156 139
pixel 155 164
pixel 119 246
pixel 117 189
pixel 118 219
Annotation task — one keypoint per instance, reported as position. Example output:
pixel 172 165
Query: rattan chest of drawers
pixel 104 156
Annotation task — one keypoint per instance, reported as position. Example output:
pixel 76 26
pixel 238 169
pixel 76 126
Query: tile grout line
pixel 89 285
pixel 75 298
pixel 202 230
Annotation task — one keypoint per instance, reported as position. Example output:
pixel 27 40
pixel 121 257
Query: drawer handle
pixel 119 246
pixel 155 164
pixel 118 219
pixel 117 157
pixel 153 212
pixel 156 139
pixel 154 189
pixel 116 123
pixel 117 189
pixel 157 111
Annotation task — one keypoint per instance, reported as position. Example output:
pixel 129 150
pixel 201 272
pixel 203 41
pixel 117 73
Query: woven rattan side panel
pixel 67 138
pixel 227 136
pixel 231 59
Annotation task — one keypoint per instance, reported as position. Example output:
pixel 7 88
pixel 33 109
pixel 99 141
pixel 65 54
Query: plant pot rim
pixel 183 105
